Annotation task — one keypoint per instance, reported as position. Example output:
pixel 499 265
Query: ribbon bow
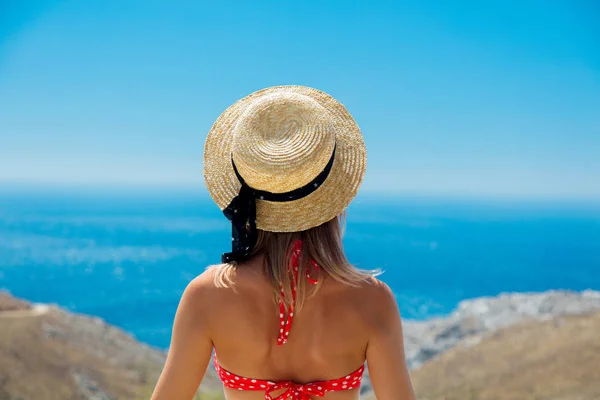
pixel 242 214
pixel 295 391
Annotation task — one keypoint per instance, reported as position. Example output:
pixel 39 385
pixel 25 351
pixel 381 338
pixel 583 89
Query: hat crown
pixel 282 141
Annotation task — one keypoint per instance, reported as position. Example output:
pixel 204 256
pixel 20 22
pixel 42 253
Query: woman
pixel 286 314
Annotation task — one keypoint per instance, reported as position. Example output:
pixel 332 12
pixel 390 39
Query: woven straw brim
pixel 320 206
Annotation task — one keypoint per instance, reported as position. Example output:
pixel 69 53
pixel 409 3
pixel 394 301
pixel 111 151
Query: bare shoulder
pixel 377 302
pixel 202 300
pixel 202 290
pixel 203 282
pixel 376 292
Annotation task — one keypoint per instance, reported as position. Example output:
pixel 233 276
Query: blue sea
pixel 127 255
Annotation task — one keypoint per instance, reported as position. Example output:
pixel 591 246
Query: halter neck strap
pixel 285 323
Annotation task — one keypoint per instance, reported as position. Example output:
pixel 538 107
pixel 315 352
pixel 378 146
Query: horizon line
pixel 127 188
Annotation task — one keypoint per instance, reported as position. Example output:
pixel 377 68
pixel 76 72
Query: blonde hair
pixel 323 244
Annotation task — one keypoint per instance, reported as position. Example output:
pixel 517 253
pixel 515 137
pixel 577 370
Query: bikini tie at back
pixel 293 391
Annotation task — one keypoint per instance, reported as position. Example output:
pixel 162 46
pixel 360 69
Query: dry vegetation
pixel 8 303
pixel 551 360
pixel 59 356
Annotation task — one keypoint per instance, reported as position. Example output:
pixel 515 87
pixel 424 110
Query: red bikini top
pixel 293 391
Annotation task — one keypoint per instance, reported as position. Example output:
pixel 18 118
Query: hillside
pixel 474 319
pixel 549 360
pixel 47 353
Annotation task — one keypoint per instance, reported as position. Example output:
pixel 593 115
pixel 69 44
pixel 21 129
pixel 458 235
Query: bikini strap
pixel 285 324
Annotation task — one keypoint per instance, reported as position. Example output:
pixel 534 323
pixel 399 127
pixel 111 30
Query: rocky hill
pixel 476 318
pixel 49 354
pixel 557 359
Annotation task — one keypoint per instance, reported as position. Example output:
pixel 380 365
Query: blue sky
pixel 494 98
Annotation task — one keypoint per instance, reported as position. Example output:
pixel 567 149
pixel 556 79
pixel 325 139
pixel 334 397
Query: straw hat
pixel 292 153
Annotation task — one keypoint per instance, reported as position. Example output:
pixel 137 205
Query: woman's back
pixel 328 340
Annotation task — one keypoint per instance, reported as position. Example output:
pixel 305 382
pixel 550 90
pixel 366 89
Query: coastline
pixel 473 318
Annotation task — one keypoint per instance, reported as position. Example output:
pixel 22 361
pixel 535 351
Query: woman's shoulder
pixel 372 299
pixel 204 294
pixel 219 282
pixel 213 278
pixel 203 286
pixel 366 293
pixel 375 291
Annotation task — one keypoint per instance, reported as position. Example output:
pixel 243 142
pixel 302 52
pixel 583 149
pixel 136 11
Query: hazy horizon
pixel 11 194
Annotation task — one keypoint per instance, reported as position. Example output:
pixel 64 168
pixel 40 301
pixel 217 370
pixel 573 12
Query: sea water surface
pixel 127 256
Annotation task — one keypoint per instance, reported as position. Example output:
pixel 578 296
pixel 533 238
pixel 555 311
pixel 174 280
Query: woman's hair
pixel 323 244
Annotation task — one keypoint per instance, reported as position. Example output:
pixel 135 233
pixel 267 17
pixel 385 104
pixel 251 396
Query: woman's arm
pixel 191 344
pixel 385 351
